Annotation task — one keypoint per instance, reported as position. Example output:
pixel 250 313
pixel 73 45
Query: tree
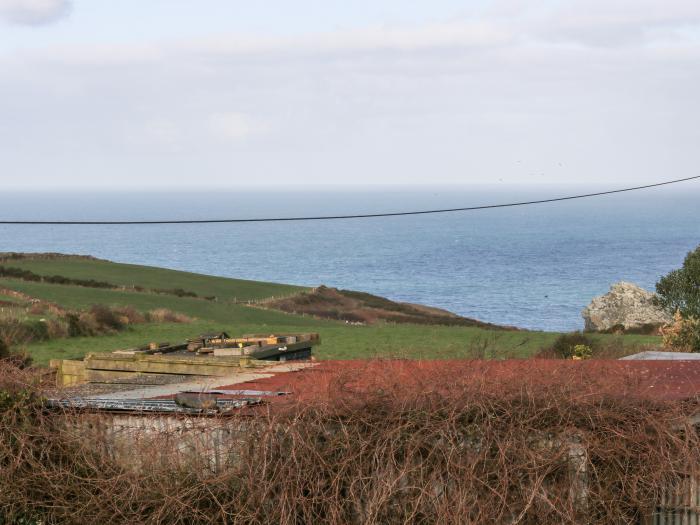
pixel 680 289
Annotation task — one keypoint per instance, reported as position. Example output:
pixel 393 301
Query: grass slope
pixel 340 340
pixel 151 277
pixel 82 297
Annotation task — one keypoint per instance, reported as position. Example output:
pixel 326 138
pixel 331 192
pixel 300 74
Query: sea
pixel 534 267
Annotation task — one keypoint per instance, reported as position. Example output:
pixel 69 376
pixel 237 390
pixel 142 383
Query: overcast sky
pixel 225 93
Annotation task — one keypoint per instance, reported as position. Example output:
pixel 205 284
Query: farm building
pixel 200 418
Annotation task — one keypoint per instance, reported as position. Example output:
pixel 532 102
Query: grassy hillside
pixel 340 340
pixel 218 311
pixel 131 275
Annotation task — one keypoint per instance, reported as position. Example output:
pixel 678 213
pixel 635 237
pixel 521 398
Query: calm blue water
pixel 533 267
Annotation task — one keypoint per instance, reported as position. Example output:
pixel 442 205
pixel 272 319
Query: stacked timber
pixel 214 356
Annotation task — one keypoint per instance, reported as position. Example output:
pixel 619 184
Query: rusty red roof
pixel 657 380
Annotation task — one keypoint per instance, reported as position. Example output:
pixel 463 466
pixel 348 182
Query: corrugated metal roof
pixel 149 405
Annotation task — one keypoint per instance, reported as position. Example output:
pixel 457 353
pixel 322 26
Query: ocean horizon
pixel 534 267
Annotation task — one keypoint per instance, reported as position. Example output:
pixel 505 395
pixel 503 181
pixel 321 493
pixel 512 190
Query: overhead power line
pixel 354 216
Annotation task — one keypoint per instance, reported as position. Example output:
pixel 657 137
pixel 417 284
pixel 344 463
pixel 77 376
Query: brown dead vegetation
pixel 359 307
pixel 375 450
pixel 16 331
pixel 164 315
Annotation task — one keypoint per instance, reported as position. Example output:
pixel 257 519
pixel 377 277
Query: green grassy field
pixel 150 277
pixel 83 297
pixel 340 340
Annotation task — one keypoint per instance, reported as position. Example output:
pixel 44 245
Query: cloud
pixel 583 90
pixel 457 34
pixel 475 35
pixel 234 127
pixel 604 23
pixel 33 12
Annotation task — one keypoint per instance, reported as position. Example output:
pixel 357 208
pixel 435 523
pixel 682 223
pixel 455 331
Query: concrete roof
pixel 663 356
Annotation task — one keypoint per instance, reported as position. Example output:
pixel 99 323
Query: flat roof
pixel 647 379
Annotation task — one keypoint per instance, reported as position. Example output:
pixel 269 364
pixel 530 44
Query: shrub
pixel 679 291
pixel 27 275
pixel 106 318
pixel 614 348
pixel 38 308
pixel 56 328
pixel 14 332
pixel 582 352
pixel 18 273
pixel 37 330
pixel 644 329
pixel 683 335
pixel 130 315
pixel 10 335
pixel 175 291
pixel 75 326
pixel 83 324
pixel 163 315
pixel 20 359
pixel 88 323
pixel 563 346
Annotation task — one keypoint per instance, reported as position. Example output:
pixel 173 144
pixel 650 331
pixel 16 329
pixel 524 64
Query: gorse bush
pixel 582 352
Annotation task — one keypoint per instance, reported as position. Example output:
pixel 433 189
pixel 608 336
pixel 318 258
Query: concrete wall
pixel 209 443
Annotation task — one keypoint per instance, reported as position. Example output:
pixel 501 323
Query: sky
pixel 176 94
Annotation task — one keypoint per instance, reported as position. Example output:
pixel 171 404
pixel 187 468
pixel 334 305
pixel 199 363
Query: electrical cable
pixel 355 216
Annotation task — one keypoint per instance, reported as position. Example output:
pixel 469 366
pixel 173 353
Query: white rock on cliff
pixel 625 304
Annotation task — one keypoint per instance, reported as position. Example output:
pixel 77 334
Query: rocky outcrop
pixel 626 306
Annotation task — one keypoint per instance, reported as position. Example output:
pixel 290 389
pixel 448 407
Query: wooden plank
pixel 108 376
pixel 69 372
pixel 220 352
pixel 69 366
pixel 205 366
pixel 309 336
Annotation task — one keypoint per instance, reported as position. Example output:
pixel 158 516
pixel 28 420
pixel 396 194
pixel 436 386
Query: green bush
pixel 37 330
pixel 179 292
pixel 582 352
pixel 680 289
pixel 564 345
